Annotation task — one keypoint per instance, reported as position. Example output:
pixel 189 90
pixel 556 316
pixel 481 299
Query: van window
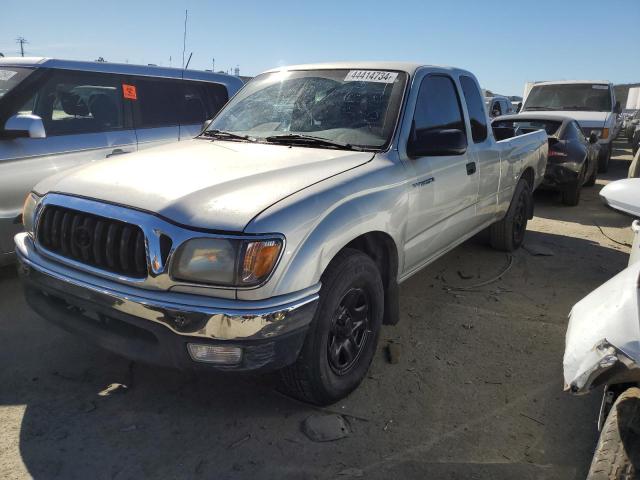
pixel 78 102
pixel 594 97
pixel 158 102
pixel 438 106
pixel 475 108
pixel 200 101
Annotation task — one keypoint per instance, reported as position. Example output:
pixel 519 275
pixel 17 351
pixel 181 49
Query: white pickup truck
pixel 278 237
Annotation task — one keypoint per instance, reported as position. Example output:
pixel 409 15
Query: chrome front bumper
pixel 56 292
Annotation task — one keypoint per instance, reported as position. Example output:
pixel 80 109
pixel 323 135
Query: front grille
pixel 101 242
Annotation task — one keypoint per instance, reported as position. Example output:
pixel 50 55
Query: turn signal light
pixel 605 134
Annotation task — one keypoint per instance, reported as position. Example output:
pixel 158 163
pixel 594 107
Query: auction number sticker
pixel 129 92
pixel 376 76
pixel 6 75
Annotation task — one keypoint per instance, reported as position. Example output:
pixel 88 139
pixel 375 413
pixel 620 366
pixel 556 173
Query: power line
pixel 22 41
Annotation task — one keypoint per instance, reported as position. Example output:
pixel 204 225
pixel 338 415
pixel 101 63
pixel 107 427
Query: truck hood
pixel 585 119
pixel 218 185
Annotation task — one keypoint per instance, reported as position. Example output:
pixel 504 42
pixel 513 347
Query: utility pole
pixel 22 41
pixel 213 65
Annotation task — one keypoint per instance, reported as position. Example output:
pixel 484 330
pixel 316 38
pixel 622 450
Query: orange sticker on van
pixel 129 92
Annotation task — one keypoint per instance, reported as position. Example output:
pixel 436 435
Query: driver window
pixel 438 106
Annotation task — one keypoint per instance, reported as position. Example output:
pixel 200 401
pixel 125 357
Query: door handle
pixel 471 168
pixel 117 151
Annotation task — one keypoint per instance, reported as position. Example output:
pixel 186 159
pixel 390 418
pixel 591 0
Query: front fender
pixel 603 337
pixel 319 221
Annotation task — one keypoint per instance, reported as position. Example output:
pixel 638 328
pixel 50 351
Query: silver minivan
pixel 56 114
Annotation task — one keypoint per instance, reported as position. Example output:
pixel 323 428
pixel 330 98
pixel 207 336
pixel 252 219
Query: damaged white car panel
pixel 603 337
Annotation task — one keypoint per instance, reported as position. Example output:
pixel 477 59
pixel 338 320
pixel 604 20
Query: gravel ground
pixel 476 393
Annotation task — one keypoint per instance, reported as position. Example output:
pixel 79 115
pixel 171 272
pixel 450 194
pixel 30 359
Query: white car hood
pixel 585 119
pixel 202 183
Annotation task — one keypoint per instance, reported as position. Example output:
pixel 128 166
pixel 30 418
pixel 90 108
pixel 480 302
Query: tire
pixel 592 179
pixel 508 234
pixel 352 279
pixel 617 455
pixel 571 193
pixel 603 161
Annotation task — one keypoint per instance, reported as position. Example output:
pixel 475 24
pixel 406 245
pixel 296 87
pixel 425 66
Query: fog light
pixel 219 354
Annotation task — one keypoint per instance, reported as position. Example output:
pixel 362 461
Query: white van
pixel 592 103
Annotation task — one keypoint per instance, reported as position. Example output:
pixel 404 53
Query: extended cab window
pixel 475 107
pixel 78 102
pixel 438 106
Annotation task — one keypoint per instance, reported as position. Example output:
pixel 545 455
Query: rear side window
pixel 438 106
pixel 475 108
pixel 200 101
pixel 158 102
pixel 78 102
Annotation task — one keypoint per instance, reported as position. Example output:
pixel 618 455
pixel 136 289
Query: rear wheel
pixel 617 455
pixel 571 193
pixel 603 161
pixel 508 233
pixel 343 336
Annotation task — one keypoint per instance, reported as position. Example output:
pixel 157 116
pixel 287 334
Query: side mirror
pixel 437 143
pixel 206 124
pixel 29 126
pixel 617 108
pixel 593 137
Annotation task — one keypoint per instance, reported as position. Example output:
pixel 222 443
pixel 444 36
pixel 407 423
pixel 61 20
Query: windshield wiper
pixel 228 135
pixel 538 108
pixel 291 138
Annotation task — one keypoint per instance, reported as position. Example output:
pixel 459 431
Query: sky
pixel 503 42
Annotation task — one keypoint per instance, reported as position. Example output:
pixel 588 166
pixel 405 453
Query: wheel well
pixel 530 176
pixel 382 250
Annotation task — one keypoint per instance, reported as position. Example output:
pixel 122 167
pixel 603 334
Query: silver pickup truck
pixel 277 238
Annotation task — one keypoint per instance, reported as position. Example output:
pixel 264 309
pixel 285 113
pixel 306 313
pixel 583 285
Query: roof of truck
pixel 122 68
pixel 603 82
pixel 409 67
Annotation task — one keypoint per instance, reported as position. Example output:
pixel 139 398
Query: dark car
pixel 573 158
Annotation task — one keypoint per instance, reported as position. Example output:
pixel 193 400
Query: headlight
pixel 29 211
pixel 226 261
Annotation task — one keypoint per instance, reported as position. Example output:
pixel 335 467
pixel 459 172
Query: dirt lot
pixel 476 394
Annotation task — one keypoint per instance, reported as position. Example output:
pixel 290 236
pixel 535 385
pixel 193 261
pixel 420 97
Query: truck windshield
pixel 352 108
pixel 594 97
pixel 10 77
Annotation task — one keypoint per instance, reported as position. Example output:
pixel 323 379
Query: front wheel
pixel 508 233
pixel 343 335
pixel 617 455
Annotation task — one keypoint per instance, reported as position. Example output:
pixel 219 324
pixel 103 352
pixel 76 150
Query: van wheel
pixel 508 233
pixel 617 455
pixel 343 335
